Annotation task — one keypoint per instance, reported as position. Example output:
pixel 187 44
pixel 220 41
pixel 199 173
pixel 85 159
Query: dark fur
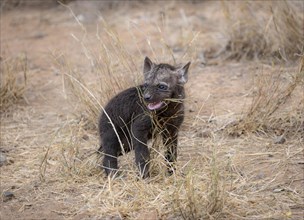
pixel 135 123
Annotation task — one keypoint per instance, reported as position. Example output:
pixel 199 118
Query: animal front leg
pixel 170 141
pixel 171 151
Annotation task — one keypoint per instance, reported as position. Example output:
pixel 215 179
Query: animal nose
pixel 147 97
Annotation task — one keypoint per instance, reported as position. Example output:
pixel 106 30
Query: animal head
pixel 161 82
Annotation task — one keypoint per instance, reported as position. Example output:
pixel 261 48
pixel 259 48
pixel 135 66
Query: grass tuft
pixel 258 30
pixel 12 81
pixel 269 111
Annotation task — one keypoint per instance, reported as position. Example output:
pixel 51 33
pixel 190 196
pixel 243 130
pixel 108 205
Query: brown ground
pixel 223 89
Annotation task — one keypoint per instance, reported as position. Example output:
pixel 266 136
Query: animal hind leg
pixel 140 132
pixel 110 150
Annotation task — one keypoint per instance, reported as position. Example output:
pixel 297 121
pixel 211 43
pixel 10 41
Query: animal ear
pixel 148 64
pixel 183 73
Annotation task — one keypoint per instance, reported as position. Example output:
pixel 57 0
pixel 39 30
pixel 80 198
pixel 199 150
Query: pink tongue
pixel 153 106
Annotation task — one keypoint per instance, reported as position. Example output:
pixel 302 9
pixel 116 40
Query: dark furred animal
pixel 136 112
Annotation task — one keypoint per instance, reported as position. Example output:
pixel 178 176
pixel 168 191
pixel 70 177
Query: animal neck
pixel 175 105
pixel 179 93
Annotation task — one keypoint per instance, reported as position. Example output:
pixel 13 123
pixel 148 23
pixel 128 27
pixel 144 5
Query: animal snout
pixel 147 97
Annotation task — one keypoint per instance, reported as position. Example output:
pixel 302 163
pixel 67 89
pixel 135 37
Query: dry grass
pixel 188 193
pixel 113 68
pixel 216 183
pixel 258 30
pixel 13 82
pixel 211 181
pixel 277 104
pixel 217 177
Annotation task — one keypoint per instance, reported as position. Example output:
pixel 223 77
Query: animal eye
pixel 145 85
pixel 162 87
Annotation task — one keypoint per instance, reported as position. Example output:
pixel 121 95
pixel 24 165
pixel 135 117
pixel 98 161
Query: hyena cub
pixel 131 116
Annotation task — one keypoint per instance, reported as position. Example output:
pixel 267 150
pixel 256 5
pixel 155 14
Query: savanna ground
pixel 241 146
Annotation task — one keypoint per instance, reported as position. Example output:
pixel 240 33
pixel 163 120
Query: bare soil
pixel 217 90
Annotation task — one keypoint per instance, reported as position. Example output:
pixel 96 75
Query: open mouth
pixel 155 105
